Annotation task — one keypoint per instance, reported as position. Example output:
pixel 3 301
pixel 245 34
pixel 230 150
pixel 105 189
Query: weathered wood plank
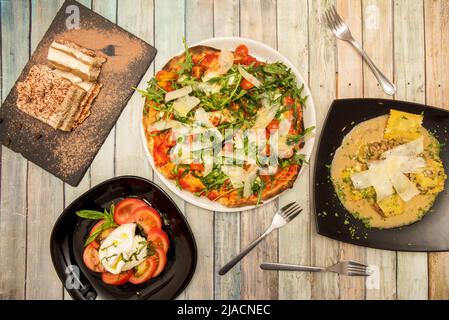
pixel 350 85
pixel 102 167
pixel 259 23
pixel 199 26
pixel 437 93
pixel 71 193
pixel 130 156
pixel 168 33
pixel 15 18
pixel 45 192
pixel 322 82
pixel 227 225
pixel 294 239
pixel 378 43
pixel 167 39
pixel 412 278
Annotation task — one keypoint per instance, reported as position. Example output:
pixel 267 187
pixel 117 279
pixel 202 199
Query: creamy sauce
pixel 367 132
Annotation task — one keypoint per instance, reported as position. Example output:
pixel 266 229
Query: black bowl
pixel 70 231
pixel 334 221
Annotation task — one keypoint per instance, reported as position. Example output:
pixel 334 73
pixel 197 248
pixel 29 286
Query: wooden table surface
pixel 409 41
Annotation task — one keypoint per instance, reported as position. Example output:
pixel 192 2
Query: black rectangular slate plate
pixel 334 221
pixel 70 232
pixel 69 155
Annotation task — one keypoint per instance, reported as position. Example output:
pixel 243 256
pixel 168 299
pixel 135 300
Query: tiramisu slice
pixel 82 62
pixel 62 97
pixel 47 96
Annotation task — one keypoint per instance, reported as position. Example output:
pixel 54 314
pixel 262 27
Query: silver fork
pixel 347 268
pixel 342 32
pixel 280 219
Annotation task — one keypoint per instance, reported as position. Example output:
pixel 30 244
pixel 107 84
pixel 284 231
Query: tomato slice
pixel 144 271
pixel 91 259
pixel 273 125
pixel 161 258
pixel 116 279
pixel 97 242
pixel 241 49
pixel 246 85
pixel 197 167
pixel 123 212
pixel 288 101
pixel 159 239
pixel 147 218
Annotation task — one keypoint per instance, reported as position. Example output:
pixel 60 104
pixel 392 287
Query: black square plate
pixel 334 221
pixel 68 155
pixel 70 231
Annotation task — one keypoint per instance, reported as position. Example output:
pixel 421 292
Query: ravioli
pixel 403 126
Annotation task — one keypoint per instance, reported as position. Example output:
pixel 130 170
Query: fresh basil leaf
pixel 90 214
pixel 93 236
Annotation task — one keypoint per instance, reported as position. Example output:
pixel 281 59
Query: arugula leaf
pixel 186 66
pixel 296 138
pixel 275 68
pixel 153 92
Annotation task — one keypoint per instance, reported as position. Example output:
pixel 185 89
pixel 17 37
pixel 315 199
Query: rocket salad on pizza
pixel 225 125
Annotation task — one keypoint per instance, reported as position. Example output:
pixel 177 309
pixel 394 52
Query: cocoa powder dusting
pixel 68 155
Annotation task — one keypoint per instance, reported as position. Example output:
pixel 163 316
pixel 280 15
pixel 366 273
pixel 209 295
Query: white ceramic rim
pixel 264 53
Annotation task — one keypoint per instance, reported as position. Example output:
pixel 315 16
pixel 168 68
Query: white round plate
pixel 263 53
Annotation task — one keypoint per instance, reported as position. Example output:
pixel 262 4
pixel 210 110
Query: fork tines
pixel 357 269
pixel 290 211
pixel 333 18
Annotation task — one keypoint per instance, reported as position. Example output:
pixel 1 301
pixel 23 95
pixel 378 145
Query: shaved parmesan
pixel 284 150
pixel 165 124
pixel 202 117
pixel 412 148
pixel 380 180
pixel 209 88
pixel 265 115
pixel 387 175
pixel 241 178
pixel 361 180
pixel 248 181
pixel 404 187
pixel 226 60
pixel 183 105
pixel 208 161
pixel 249 77
pixel 235 174
pixel 172 95
pixel 408 164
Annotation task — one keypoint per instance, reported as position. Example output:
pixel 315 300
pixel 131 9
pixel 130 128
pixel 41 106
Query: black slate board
pixel 334 221
pixel 69 155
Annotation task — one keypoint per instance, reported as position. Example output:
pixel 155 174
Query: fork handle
pixel 239 257
pixel 289 267
pixel 386 84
